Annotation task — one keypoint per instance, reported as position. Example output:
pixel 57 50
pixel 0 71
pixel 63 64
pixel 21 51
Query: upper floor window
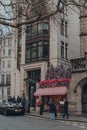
pixel 62 49
pixel 37 51
pixel 9 42
pixel 3 43
pixel 9 52
pixel 66 23
pixel 2 79
pixel 8 79
pixel 66 45
pixel 62 27
pixel 37 29
pixel 3 52
pixel 9 64
pixel 3 64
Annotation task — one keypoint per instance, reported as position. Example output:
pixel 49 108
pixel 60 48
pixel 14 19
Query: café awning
pixel 51 91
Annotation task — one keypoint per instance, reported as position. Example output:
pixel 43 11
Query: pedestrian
pixel 13 99
pixel 52 110
pixel 65 111
pixel 23 102
pixel 18 99
pixel 55 109
pixel 41 108
pixel 27 105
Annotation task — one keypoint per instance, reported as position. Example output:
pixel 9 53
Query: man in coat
pixel 65 112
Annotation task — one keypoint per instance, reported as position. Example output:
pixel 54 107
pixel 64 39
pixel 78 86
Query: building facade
pixel 51 41
pixel 5 65
pixel 78 84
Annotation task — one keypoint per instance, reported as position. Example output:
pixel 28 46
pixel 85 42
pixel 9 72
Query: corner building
pixel 41 44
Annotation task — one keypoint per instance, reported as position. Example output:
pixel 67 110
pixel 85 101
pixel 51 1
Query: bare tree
pixel 32 10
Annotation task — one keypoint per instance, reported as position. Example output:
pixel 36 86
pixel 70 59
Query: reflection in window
pixel 40 28
pixel 35 51
pixel 28 53
pixel 34 30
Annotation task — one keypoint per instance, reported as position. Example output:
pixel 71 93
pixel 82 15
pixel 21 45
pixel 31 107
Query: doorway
pixel 84 99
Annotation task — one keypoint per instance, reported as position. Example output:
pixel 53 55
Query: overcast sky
pixel 4 14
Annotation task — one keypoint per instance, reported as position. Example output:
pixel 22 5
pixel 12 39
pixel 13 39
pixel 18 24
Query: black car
pixel 9 108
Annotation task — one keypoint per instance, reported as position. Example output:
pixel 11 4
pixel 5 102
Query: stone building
pixel 78 85
pixel 5 65
pixel 50 41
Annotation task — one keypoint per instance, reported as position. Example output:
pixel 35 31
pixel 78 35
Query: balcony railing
pixel 79 65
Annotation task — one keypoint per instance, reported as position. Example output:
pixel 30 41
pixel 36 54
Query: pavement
pixel 59 117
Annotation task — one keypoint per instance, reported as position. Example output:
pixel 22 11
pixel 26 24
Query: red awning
pixel 51 91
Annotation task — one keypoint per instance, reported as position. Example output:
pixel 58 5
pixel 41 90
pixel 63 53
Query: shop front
pixel 57 94
pixel 54 87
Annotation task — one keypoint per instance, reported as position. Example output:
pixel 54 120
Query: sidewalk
pixel 59 117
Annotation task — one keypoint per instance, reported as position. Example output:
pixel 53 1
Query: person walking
pixel 65 111
pixel 55 110
pixel 23 102
pixel 27 106
pixel 52 110
pixel 41 108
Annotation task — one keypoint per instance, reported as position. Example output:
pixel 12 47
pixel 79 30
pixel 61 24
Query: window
pixel 36 51
pixel 9 52
pixel 9 42
pixel 40 50
pixel 29 31
pixel 3 42
pixel 8 79
pixel 37 29
pixel 66 50
pixel 3 52
pixel 66 29
pixel 9 64
pixel 40 28
pixel 8 91
pixel 62 27
pixel 34 30
pixel 3 64
pixel 62 49
pixel 2 79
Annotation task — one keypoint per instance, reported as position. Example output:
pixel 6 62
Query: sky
pixel 4 14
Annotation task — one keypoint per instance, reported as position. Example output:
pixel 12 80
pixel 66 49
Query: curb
pixel 62 119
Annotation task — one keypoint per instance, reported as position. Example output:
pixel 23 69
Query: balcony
pixel 79 65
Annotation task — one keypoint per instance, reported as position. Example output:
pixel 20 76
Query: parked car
pixel 9 108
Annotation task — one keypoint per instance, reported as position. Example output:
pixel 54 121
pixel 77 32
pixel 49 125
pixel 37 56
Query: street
pixel 36 123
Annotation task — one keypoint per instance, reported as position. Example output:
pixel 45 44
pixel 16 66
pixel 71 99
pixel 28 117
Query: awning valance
pixel 54 80
pixel 51 91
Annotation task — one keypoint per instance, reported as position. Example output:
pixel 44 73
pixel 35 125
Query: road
pixel 34 123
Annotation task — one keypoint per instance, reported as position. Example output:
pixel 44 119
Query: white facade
pixel 71 47
pixel 5 65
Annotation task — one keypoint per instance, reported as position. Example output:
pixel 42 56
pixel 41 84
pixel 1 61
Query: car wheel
pixel 5 113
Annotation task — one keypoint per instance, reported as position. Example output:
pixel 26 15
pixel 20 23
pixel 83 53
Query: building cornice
pixel 83 16
pixel 83 34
